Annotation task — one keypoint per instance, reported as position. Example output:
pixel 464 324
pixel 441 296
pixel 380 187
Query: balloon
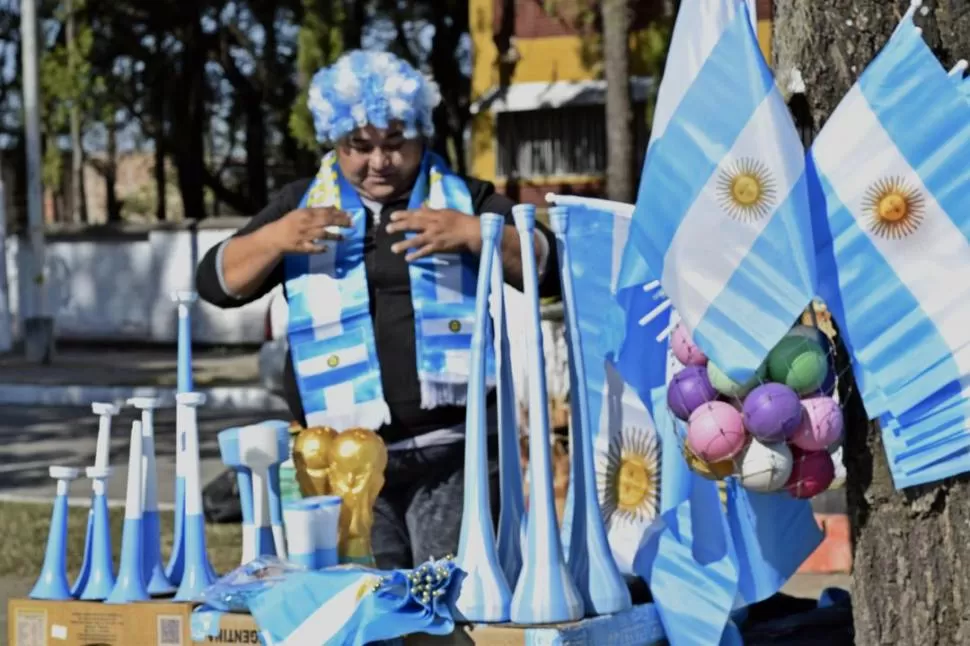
pixel 821 426
pixel 688 389
pixel 811 474
pixel 726 386
pixel 799 363
pixel 772 412
pixel 710 471
pixel 684 347
pixel 715 432
pixel 765 467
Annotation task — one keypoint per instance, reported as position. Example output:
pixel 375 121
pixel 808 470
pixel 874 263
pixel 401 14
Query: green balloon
pixel 727 386
pixel 799 363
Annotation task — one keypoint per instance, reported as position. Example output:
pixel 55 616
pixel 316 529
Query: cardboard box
pixel 159 623
pixel 80 623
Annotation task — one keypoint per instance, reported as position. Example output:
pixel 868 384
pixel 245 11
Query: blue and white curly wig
pixel 371 88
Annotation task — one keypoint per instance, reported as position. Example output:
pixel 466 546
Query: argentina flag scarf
pixel 330 330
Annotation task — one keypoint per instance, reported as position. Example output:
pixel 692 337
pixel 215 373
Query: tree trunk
pixel 619 107
pixel 113 205
pixel 158 98
pixel 912 547
pixel 189 121
pixel 78 210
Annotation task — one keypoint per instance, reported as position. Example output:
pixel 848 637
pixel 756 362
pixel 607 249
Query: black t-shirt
pixel 389 287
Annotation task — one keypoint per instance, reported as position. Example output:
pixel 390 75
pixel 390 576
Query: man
pixel 381 305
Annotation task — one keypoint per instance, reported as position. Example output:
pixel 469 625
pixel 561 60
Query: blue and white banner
pixel 892 222
pixel 722 214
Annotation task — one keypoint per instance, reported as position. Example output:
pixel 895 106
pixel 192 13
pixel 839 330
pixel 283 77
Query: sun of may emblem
pixel 333 361
pixel 627 477
pixel 746 190
pixel 893 208
pixel 454 326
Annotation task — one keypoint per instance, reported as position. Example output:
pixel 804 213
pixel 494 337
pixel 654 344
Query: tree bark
pixel 78 210
pixel 619 107
pixel 911 547
pixel 188 112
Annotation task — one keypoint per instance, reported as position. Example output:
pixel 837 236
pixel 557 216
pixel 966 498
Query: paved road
pixel 34 438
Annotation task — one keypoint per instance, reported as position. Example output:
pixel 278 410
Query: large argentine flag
pixel 892 218
pixel 722 213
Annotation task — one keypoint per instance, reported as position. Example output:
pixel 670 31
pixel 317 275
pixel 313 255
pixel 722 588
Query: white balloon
pixel 765 467
pixel 840 473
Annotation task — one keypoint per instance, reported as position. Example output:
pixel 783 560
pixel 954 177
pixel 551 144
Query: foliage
pixel 66 80
pixel 319 43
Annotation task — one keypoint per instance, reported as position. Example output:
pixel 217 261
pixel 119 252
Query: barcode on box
pixel 170 631
pixel 31 628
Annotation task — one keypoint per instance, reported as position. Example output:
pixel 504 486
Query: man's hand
pixel 301 231
pixel 438 231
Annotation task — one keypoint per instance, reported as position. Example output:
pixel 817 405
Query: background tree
pixel 620 165
pixel 911 548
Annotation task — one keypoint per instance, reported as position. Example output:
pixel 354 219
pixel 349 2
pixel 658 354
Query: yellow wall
pixel 558 58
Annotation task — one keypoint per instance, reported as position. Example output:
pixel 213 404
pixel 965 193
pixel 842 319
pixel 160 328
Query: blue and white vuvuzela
pixel 255 452
pixel 97 540
pixel 52 583
pixel 590 558
pixel 511 519
pixel 131 584
pixel 546 592
pixel 184 384
pixel 229 451
pixel 197 574
pixel 154 570
pixel 485 595
pixel 100 577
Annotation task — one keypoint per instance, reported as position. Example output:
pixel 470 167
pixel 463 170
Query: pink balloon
pixel 811 474
pixel 716 432
pixel 821 424
pixel 685 349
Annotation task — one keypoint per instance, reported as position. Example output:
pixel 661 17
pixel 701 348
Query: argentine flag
pixel 892 217
pixel 722 214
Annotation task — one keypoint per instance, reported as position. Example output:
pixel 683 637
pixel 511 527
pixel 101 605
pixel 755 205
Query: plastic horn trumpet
pixel 197 574
pixel 104 411
pixel 52 583
pixel 158 583
pixel 485 595
pixel 545 593
pixel 131 583
pixel 590 559
pixel 511 519
pixel 229 451
pixel 184 384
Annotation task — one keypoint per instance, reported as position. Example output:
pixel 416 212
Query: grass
pixel 24 528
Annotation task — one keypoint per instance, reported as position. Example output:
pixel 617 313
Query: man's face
pixel 380 162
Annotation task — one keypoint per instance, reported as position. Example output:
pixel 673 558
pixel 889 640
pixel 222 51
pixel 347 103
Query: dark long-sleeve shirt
pixel 389 288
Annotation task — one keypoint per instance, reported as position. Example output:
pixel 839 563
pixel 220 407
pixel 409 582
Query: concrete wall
pixel 115 285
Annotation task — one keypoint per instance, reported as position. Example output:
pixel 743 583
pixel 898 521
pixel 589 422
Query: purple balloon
pixel 772 412
pixel 689 389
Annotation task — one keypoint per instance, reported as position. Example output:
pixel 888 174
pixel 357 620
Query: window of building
pixel 568 141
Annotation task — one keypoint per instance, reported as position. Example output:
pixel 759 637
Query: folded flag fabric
pixel 352 605
pixel 891 216
pixel 722 215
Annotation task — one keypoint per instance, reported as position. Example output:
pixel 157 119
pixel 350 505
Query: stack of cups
pixel 312 528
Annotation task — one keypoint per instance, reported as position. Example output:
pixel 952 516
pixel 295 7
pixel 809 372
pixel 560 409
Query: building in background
pixel 538 108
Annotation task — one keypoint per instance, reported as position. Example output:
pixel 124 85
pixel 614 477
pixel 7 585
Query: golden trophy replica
pixel 350 465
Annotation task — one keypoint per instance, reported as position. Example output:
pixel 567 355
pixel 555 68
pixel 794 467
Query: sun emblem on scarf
pixel 454 326
pixel 894 208
pixel 333 361
pixel 746 190
pixel 627 477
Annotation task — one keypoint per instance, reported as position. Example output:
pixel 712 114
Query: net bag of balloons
pixel 777 432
